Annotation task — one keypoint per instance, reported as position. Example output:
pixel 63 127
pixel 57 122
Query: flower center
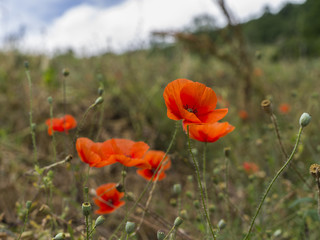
pixel 190 109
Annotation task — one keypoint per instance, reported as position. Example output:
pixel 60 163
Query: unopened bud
pixel 28 205
pixel 222 224
pixel 99 221
pixel 196 204
pixel 100 91
pixel 50 100
pixel 178 221
pixel 65 72
pixel 130 226
pixel 33 126
pixel 305 119
pixel 86 209
pixel 26 64
pixel 177 188
pixel 120 187
pixel 160 235
pixel 98 101
pixel 60 236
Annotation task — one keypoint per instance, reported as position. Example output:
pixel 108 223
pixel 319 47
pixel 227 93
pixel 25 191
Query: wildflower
pixel 126 152
pixel 208 132
pixel 62 124
pixel 284 108
pixel 91 153
pixel 192 101
pixel 108 198
pixel 250 167
pixel 154 158
pixel 243 114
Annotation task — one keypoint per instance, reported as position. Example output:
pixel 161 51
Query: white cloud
pixel 88 29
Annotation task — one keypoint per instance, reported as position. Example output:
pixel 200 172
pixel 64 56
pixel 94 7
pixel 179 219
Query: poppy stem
pixel 53 135
pixel 196 165
pixel 204 168
pixel 272 182
pixel 32 125
pixel 149 182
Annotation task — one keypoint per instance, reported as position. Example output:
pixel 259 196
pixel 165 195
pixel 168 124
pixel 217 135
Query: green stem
pixel 200 187
pixel 53 135
pixel 204 168
pixel 148 184
pixel 171 230
pixel 24 224
pixel 87 227
pixel 272 182
pixel 33 135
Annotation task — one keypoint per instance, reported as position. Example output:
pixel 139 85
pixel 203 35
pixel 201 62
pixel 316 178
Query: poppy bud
pixel 44 209
pixel 98 101
pixel 130 226
pixel 173 202
pixel 305 119
pixel 120 187
pixel 160 235
pixel 222 224
pixel 100 91
pixel 65 72
pixel 196 204
pixel 184 213
pixel 28 205
pixel 99 221
pixel 33 126
pixel 190 178
pixel 86 209
pixel 178 221
pixel 26 64
pixel 177 188
pixel 50 100
pixel 60 236
pixel 267 106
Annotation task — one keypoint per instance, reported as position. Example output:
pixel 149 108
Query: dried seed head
pixel 267 106
pixel 86 209
pixel 314 169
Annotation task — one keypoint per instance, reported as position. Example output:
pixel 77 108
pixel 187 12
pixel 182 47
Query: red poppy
pixel 62 124
pixel 284 108
pixel 192 101
pixel 154 158
pixel 243 114
pixel 91 153
pixel 108 198
pixel 127 152
pixel 250 167
pixel 208 132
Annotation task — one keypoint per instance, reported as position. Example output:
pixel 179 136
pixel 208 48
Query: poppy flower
pixel 208 132
pixel 243 114
pixel 284 108
pixel 126 152
pixel 191 101
pixel 250 167
pixel 91 153
pixel 108 198
pixel 154 158
pixel 62 124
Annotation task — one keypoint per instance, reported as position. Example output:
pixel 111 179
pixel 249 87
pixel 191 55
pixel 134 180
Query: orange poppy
pixel 91 153
pixel 284 108
pixel 108 198
pixel 243 114
pixel 127 152
pixel 208 132
pixel 191 101
pixel 250 167
pixel 154 158
pixel 62 124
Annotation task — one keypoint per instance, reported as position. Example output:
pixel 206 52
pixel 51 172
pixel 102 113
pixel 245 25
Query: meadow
pixel 44 191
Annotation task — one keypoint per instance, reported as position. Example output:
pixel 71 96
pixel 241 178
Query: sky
pixel 90 27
